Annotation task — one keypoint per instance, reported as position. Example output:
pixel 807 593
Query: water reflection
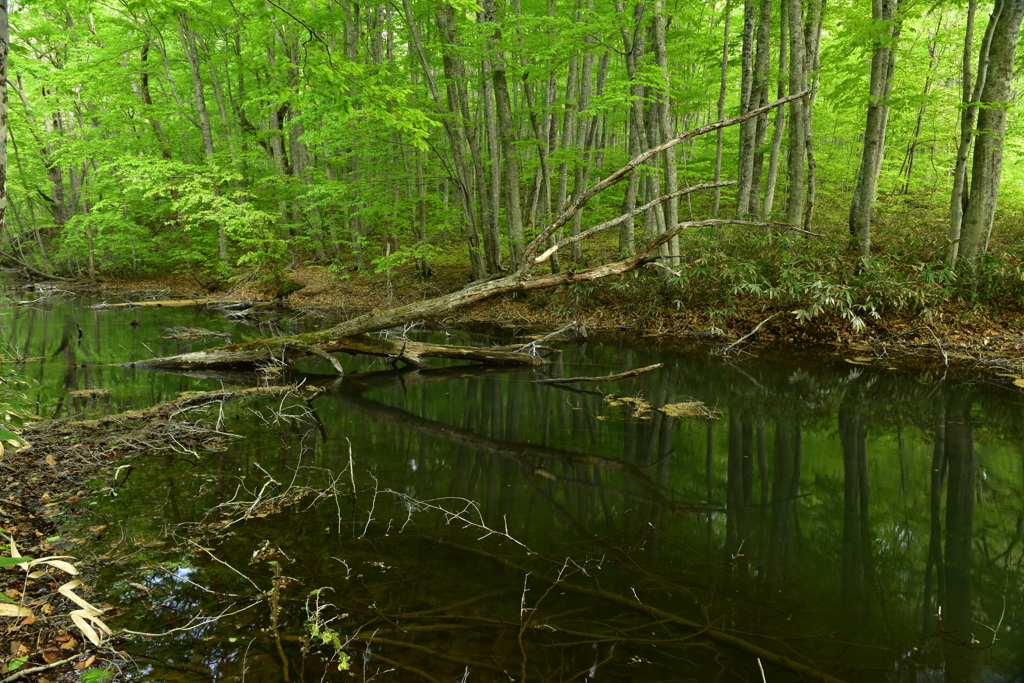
pixel 859 521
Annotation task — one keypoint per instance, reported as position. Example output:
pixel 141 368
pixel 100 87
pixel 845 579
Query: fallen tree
pixel 352 337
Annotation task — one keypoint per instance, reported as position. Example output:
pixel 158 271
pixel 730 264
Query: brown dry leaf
pixel 51 656
pixel 86 664
pixel 50 461
pixel 688 409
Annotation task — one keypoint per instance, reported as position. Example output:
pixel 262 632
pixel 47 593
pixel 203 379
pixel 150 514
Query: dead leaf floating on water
pixel 689 409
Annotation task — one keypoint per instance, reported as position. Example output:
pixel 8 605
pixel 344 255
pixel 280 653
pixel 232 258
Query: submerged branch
pixel 605 378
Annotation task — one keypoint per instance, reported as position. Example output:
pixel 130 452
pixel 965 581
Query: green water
pixel 855 519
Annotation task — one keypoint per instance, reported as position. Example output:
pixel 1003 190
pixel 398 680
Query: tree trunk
pixel 492 234
pixel 637 135
pixel 968 114
pixel 797 114
pixel 883 62
pixel 987 167
pixel 748 131
pixel 780 116
pixel 5 44
pixel 453 133
pixel 671 248
pixel 506 130
pixel 719 142
pixel 762 65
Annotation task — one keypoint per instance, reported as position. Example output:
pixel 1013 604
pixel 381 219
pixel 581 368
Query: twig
pixel 351 470
pixel 275 605
pixel 531 347
pixel 217 559
pixel 37 669
pixel 605 378
pixel 189 626
pixel 945 358
pixel 752 332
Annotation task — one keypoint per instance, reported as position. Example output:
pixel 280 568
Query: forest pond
pixel 861 522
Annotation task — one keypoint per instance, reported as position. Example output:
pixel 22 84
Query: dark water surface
pixel 854 519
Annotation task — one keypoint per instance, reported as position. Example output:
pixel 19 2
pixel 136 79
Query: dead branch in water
pixel 605 378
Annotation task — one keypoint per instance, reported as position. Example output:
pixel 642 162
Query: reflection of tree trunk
pixel 785 488
pixel 935 535
pixel 738 488
pixel 961 467
pixel 852 434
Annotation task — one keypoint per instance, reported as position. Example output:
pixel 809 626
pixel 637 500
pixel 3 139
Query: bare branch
pixel 606 378
pixel 635 212
pixel 601 186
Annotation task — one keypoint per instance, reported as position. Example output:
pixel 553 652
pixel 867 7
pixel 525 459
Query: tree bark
pixel 748 101
pixel 797 114
pixel 719 141
pixel 671 248
pixel 883 62
pixel 780 115
pixel 506 130
pixel 5 44
pixel 987 166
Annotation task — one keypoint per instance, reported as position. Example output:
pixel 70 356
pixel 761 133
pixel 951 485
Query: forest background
pixel 238 139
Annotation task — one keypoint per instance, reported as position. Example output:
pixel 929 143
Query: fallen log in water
pixel 288 349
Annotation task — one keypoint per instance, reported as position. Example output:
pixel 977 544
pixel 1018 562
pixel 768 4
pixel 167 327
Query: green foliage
pixel 97 675
pixel 328 636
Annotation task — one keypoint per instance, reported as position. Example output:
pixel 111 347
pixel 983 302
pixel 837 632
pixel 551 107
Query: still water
pixel 862 522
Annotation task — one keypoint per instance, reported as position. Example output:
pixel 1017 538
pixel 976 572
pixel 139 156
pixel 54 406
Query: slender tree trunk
pixel 453 133
pixel 797 114
pixel 812 41
pixel 968 116
pixel 719 139
pixel 987 166
pixel 780 114
pixel 420 217
pixel 5 39
pixel 748 101
pixel 506 129
pixel 637 135
pixel 762 65
pixel 883 63
pixel 492 234
pixel 582 132
pixel 458 98
pixel 667 130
